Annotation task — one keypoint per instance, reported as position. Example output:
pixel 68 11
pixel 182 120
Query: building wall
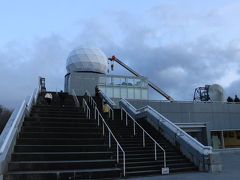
pixel 219 116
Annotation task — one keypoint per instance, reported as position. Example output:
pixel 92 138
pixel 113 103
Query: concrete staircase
pixel 59 143
pixel 140 160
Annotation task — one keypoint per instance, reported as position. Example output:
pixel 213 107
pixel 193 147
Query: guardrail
pixel 99 117
pixel 86 108
pixel 190 147
pixel 12 128
pixel 75 98
pixel 165 170
pixel 109 101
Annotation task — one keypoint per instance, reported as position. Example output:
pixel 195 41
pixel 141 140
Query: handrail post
pixel 109 139
pixel 117 154
pixel 155 150
pixel 134 128
pixel 143 139
pixel 121 114
pixel 126 118
pixel 124 164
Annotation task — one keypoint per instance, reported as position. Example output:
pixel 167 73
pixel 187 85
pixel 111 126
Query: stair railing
pixel 86 108
pixel 75 98
pixel 93 104
pixel 99 117
pixel 12 128
pixel 144 141
pixel 110 103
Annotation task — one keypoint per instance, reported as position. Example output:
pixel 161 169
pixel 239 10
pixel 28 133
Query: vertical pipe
pixel 164 156
pixel 155 149
pixel 117 154
pixel 126 119
pixel 134 128
pixel 98 118
pixel 109 143
pixel 121 114
pixel 124 164
pixel 143 139
pixel 103 128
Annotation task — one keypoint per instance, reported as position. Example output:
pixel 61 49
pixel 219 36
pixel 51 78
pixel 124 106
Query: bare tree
pixel 4 116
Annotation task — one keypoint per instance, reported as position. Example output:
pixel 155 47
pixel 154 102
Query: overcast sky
pixel 177 44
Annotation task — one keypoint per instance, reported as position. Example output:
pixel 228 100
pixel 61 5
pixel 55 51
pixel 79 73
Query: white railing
pixel 86 108
pixel 144 132
pixel 94 104
pixel 99 117
pixel 15 121
pixel 75 98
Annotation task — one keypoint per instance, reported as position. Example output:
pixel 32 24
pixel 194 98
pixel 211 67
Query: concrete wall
pixel 217 115
pixel 81 81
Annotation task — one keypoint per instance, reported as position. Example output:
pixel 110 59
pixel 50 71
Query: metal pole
pixel 121 114
pixel 109 139
pixel 134 128
pixel 126 119
pixel 164 156
pixel 117 154
pixel 98 118
pixel 124 164
pixel 143 139
pixel 103 129
pixel 155 149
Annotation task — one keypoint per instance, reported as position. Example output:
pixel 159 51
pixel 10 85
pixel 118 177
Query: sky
pixel 178 44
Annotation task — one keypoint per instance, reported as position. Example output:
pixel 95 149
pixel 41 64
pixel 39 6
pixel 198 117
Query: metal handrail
pixel 86 108
pixel 22 111
pixel 161 118
pixel 99 117
pixel 93 104
pixel 75 98
pixel 144 132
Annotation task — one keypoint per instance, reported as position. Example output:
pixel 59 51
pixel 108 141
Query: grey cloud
pixel 177 66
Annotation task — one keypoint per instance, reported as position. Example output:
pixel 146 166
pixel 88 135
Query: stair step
pixel 60 135
pixel 57 129
pixel 59 119
pixel 99 173
pixel 59 165
pixel 53 156
pixel 60 148
pixel 59 124
pixel 62 141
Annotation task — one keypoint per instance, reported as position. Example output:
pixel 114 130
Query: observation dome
pixel 87 59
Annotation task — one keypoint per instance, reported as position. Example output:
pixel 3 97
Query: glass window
pixel 102 81
pixel 109 81
pixel 131 93
pixel 109 92
pixel 231 139
pixel 137 93
pixel 130 81
pixel 116 92
pixel 138 82
pixel 116 81
pixel 123 82
pixel 123 92
pixel 144 94
pixel 216 138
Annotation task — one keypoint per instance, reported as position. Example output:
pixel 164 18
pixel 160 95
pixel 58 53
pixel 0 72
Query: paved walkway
pixel 231 171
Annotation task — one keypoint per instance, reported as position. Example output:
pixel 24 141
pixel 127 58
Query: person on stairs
pixel 48 98
pixel 61 98
pixel 106 110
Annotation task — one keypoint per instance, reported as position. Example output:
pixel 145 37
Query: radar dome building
pixel 87 60
pixel 87 68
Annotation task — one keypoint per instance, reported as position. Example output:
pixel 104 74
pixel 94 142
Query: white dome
pixel 87 59
pixel 216 92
